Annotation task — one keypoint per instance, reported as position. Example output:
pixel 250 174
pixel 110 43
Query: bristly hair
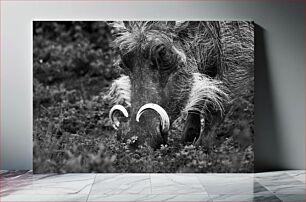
pixel 226 47
pixel 206 94
pixel 120 91
pixel 133 35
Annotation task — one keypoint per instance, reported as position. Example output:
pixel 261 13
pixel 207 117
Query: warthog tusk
pixel 164 118
pixel 111 112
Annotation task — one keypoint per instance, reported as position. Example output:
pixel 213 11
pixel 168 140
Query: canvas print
pixel 143 96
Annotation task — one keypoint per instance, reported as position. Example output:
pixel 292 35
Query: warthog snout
pixel 158 129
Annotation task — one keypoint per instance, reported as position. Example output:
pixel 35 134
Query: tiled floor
pixel 272 186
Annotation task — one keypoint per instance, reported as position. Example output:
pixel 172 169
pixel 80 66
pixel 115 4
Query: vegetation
pixel 73 66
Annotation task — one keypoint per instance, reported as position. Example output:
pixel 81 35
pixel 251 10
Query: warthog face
pixel 162 81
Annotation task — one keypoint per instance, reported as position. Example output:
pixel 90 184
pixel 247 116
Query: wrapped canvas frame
pixel 204 68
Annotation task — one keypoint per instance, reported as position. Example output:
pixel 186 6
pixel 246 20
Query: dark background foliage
pixel 73 66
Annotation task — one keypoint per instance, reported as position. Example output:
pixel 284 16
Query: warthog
pixel 178 67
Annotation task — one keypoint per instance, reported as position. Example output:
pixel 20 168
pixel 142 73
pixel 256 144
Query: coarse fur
pixel 130 36
pixel 202 92
pixel 206 93
pixel 223 50
pixel 120 91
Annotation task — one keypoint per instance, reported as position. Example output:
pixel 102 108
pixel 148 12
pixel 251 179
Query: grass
pixel 75 135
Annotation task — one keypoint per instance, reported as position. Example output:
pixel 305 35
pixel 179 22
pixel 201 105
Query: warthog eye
pixel 165 58
pixel 126 61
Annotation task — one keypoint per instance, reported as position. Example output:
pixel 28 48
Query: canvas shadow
pixel 267 148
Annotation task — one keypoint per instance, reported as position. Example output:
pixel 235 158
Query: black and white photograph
pixel 143 96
